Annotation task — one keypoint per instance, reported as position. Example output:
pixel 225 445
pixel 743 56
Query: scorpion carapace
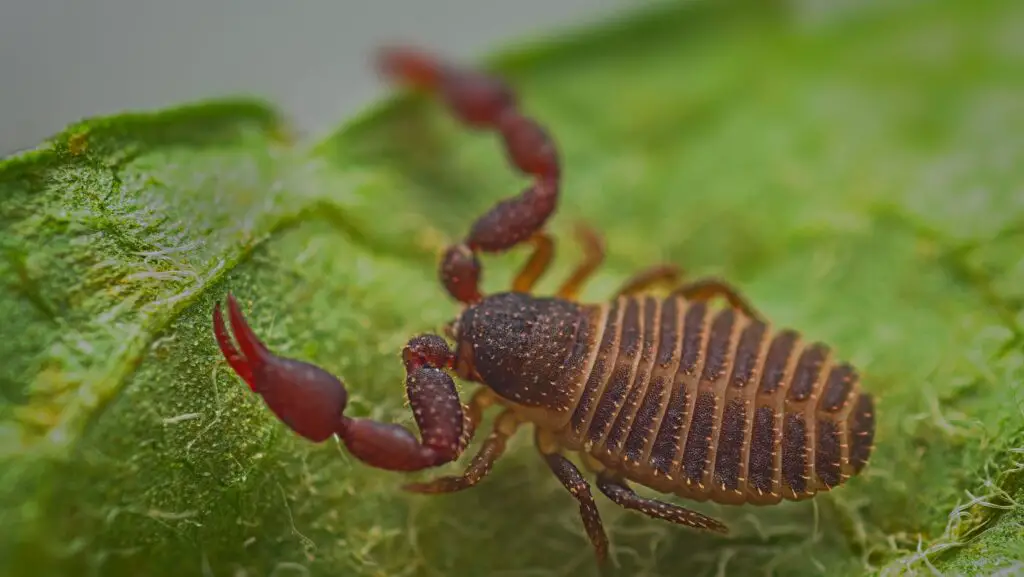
pixel 660 389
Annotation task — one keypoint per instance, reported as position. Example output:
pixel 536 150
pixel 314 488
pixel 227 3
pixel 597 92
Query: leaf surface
pixel 857 174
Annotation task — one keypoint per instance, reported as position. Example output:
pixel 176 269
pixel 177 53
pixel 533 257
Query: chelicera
pixel 658 389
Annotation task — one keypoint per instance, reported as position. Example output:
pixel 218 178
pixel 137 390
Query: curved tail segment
pixel 481 102
pixel 312 402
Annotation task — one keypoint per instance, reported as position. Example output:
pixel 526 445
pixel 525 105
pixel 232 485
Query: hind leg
pixel 648 278
pixel 700 290
pixel 616 489
pixel 703 289
pixel 708 288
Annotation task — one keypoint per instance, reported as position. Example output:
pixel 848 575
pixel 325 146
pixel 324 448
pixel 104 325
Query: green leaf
pixel 857 172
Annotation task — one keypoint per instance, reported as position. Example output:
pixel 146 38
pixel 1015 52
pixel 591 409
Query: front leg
pixel 481 400
pixel 578 487
pixel 311 401
pixel 537 265
pixel 505 426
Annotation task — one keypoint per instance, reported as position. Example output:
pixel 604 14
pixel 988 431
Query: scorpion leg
pixel 621 494
pixel 482 101
pixel 659 274
pixel 593 255
pixel 504 427
pixel 311 401
pixel 540 260
pixel 474 411
pixel 573 481
pixel 708 288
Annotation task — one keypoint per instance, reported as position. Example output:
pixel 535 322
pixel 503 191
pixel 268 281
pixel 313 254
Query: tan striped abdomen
pixel 715 405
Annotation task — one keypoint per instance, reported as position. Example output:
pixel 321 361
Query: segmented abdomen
pixel 711 404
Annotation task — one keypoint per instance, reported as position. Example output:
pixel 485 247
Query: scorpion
pixel 657 389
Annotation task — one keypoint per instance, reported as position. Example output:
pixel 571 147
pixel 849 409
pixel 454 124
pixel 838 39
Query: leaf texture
pixel 856 171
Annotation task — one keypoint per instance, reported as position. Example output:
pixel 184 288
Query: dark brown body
pixel 673 394
pixel 706 403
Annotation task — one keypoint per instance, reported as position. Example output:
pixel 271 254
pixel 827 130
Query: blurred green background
pixel 854 169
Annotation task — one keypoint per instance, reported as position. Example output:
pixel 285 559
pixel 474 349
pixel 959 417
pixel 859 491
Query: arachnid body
pixel 660 390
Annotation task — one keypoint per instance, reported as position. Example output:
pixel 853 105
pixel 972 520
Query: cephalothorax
pixel 658 389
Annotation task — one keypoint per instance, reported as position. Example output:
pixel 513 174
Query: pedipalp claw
pixel 305 397
pixel 234 358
